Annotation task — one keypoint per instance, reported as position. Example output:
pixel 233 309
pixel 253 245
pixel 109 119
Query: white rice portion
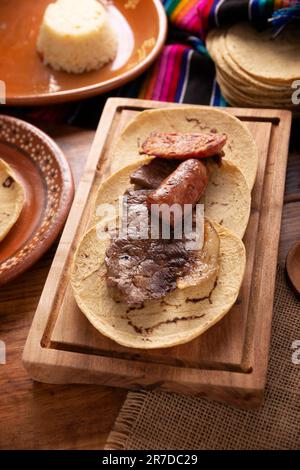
pixel 76 36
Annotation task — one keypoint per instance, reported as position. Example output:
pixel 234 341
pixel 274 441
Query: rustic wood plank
pixel 215 349
pixel 72 421
pixel 78 359
pixel 263 277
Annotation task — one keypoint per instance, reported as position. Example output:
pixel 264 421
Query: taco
pixel 226 200
pixel 153 272
pixel 240 148
pixel 176 318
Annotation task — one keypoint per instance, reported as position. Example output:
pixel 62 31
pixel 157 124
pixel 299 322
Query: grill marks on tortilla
pixel 150 329
pixel 196 300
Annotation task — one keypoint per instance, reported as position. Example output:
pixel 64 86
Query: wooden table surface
pixel 41 416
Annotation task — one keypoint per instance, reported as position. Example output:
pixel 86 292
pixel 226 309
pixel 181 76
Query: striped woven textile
pixel 184 72
pixel 216 13
pixel 198 16
pixel 183 14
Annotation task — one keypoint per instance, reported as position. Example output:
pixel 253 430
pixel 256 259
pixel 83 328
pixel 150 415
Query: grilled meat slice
pixel 183 145
pixel 140 270
pixel 152 174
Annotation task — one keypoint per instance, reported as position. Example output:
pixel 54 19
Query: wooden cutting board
pixel 229 361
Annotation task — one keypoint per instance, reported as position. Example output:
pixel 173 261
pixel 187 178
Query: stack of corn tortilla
pixel 255 69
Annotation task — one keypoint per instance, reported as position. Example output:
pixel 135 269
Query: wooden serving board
pixel 229 361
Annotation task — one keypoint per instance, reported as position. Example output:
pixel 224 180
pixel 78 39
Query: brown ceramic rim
pixel 65 202
pixel 92 90
pixel 288 265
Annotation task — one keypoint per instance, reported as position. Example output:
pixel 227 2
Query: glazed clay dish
pixel 140 25
pixel 46 178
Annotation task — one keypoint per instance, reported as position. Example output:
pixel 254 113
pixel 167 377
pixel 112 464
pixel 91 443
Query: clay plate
pixel 293 266
pixel 47 179
pixel 141 26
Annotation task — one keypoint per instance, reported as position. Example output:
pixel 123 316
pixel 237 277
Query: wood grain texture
pixel 43 416
pixel 229 361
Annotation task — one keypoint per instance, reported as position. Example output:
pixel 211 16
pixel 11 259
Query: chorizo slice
pixel 183 145
pixel 184 186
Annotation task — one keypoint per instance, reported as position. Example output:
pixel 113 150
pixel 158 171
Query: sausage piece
pixel 184 186
pixel 183 145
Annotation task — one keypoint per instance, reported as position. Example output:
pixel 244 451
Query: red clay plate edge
pixel 92 90
pixel 66 202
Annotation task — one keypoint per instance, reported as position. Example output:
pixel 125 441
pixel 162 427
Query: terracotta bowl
pixel 292 266
pixel 141 27
pixel 49 189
